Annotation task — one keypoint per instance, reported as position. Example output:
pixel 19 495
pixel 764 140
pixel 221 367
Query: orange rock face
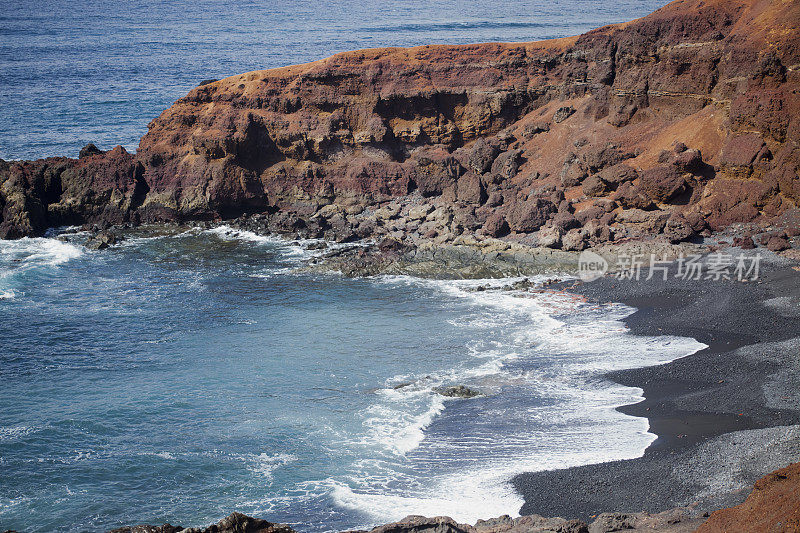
pixel 519 126
pixel 772 507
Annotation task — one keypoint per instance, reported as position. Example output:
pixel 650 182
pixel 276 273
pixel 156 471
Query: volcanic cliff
pixel 684 121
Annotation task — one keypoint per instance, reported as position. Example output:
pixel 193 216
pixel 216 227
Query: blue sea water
pixel 181 377
pixel 99 70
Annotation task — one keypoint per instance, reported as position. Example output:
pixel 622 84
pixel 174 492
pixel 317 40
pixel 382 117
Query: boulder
pixel 741 150
pixel 550 237
pixel 482 155
pixel 530 215
pixel 496 226
pixel 745 242
pixel 663 183
pixel 89 150
pixel 506 165
pixel 574 240
pixel 594 186
pixel 563 113
pixel 778 243
pixel 101 240
pixel 677 229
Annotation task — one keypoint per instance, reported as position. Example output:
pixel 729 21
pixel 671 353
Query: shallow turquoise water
pixel 183 377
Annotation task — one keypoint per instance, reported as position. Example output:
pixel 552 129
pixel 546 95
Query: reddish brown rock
pixel 778 244
pixel 742 149
pixel 772 507
pixel 530 215
pixel 463 123
pixel 745 242
pixel 663 183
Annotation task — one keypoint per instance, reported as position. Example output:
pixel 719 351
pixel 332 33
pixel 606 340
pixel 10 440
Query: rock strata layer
pixel 681 122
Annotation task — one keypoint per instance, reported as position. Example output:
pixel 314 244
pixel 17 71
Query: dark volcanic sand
pixel 724 416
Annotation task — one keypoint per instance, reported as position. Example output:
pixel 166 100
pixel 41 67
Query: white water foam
pixel 294 250
pixel 265 464
pixel 29 253
pixel 39 250
pixel 576 341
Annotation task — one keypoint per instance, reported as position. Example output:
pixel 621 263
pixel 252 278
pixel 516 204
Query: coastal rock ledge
pixel 682 122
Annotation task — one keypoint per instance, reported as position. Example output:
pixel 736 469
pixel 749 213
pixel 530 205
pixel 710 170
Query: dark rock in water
pixel 89 150
pixel 101 240
pixel 402 385
pixel 235 523
pixel 457 391
pixel 321 245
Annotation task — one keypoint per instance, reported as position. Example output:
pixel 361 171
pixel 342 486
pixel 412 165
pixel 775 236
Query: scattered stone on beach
pixel 457 391
pixel 745 242
pixel 778 244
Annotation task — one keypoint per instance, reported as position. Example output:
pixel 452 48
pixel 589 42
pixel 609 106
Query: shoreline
pixel 720 402
pixel 662 308
pixel 685 435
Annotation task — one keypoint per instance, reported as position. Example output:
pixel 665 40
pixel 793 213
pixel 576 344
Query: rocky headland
pixel 668 127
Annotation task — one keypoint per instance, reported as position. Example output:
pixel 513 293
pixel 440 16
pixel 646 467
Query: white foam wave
pixel 396 426
pixel 265 464
pixel 38 250
pixel 29 254
pixel 575 341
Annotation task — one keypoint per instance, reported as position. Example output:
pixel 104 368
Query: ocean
pixel 188 373
pixel 182 376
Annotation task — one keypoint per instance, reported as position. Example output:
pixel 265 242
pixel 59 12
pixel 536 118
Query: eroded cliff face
pixel 685 120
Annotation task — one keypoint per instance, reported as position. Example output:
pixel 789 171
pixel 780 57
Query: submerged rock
pixel 457 391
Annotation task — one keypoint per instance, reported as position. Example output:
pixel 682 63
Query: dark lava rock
pixel 531 215
pixel 563 113
pixel 101 240
pixel 89 150
pixel 457 391
pixel 496 226
pixel 235 523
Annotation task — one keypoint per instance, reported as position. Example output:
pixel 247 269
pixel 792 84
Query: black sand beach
pixel 724 416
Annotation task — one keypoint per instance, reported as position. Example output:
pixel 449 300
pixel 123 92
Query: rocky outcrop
pixel 234 523
pixel 689 114
pixel 772 507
